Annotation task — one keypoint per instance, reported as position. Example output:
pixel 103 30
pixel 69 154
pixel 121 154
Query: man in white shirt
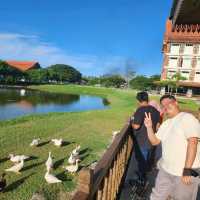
pixel 178 136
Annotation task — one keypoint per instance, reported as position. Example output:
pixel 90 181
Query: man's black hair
pixel 142 96
pixel 167 96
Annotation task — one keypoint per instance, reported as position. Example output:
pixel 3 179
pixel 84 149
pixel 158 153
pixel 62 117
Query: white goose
pixel 114 133
pixel 50 178
pixel 49 162
pixel 72 159
pixel 17 158
pixel 16 168
pixel 72 168
pixel 76 151
pixel 35 142
pixel 57 142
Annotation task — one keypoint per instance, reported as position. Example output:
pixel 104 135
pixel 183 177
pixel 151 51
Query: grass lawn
pixel 91 129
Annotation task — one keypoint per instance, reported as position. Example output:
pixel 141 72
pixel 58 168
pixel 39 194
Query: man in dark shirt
pixel 144 151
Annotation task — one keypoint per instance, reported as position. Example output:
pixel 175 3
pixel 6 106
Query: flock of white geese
pixel 73 160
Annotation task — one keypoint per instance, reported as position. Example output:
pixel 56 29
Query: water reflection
pixel 16 102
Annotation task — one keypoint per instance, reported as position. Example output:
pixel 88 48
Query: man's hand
pixel 187 180
pixel 148 121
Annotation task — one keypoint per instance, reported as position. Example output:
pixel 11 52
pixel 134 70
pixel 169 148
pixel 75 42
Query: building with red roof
pixel 23 65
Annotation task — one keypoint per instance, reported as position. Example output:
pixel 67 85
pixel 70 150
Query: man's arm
pixel 149 125
pixel 190 157
pixel 191 152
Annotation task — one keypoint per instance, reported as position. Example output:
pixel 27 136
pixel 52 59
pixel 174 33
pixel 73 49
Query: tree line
pixel 58 73
pixel 64 74
pixel 139 82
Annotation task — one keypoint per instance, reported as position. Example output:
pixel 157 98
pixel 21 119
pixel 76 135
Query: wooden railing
pixel 104 181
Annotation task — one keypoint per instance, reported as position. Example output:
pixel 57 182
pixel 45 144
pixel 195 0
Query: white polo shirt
pixel 173 134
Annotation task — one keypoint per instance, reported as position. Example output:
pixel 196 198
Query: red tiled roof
pixel 22 65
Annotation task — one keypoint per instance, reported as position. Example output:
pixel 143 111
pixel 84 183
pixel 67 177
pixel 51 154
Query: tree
pixel 112 81
pixel 177 78
pixel 141 83
pixel 93 80
pixel 37 76
pixel 64 73
pixel 170 84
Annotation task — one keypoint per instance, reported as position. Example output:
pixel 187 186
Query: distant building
pixel 181 45
pixel 23 65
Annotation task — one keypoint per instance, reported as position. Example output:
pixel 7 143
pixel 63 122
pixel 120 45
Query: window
pixel 185 74
pixel 175 48
pixel 170 73
pixel 197 76
pixel 188 49
pixel 173 62
pixel 187 63
pixel 189 45
pixel 175 45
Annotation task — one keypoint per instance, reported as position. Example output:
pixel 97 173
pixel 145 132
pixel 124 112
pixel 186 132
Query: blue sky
pixel 95 36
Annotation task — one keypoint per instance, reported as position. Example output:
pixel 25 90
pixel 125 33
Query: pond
pixel 19 102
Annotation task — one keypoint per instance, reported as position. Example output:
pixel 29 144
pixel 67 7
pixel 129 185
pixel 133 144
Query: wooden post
pixel 85 182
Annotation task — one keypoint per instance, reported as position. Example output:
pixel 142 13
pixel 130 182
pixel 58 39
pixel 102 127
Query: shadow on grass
pixel 43 143
pixel 4 159
pixel 80 167
pixel 83 151
pixel 90 164
pixel 63 176
pixel 33 166
pixel 83 157
pixel 16 184
pixel 65 143
pixel 58 163
pixel 32 158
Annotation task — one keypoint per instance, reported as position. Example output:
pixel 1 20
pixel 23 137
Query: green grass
pixel 91 129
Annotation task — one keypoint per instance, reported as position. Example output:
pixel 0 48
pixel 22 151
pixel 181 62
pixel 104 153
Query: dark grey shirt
pixel 141 133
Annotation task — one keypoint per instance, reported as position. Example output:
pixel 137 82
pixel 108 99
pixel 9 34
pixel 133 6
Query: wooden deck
pixel 134 192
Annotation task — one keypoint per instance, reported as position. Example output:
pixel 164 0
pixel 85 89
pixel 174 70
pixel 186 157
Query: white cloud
pixel 14 46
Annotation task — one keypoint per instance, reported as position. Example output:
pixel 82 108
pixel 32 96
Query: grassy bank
pixel 91 129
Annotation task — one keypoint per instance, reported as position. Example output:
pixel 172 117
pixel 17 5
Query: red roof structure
pixel 23 65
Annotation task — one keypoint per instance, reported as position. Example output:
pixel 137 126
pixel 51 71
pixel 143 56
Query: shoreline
pixel 14 86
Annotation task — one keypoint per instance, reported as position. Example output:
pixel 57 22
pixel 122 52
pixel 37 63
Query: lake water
pixel 19 102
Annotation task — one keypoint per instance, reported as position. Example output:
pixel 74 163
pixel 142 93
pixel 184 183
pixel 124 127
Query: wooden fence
pixel 104 181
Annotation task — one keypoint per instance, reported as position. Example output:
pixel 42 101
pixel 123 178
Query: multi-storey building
pixel 181 45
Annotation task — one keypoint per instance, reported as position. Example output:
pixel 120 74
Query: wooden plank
pixel 106 161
